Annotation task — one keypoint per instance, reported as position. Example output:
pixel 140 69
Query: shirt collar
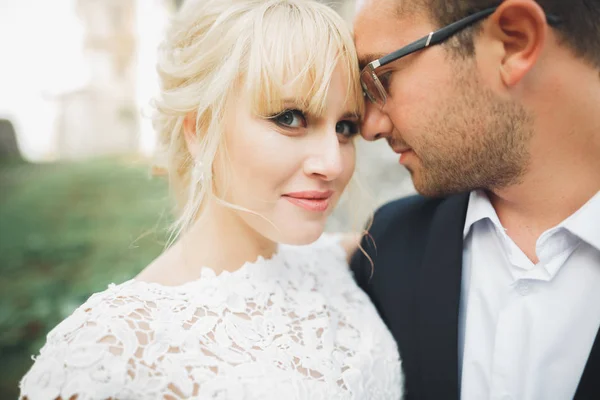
pixel 585 223
pixel 479 208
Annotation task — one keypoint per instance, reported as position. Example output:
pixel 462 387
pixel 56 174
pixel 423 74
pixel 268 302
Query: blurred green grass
pixel 68 230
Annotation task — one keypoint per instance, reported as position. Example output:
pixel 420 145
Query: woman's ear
pixel 190 133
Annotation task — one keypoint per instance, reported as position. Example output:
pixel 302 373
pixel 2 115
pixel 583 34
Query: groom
pixel 490 282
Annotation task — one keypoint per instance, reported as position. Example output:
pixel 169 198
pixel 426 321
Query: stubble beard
pixel 475 141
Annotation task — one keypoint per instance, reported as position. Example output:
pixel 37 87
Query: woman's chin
pixel 303 235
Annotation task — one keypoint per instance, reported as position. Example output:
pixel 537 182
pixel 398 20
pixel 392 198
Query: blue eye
pixel 347 128
pixel 290 119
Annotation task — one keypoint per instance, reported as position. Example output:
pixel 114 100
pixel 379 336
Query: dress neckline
pixel 263 267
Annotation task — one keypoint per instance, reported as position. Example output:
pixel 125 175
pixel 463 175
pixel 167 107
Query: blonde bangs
pixel 296 50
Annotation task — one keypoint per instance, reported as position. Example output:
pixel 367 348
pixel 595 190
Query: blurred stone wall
pixel 102 117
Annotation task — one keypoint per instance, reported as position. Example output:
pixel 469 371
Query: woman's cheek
pixel 349 160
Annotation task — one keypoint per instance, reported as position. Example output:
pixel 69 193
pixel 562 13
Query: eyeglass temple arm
pixel 444 33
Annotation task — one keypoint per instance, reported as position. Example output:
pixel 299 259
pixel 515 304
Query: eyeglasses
pixel 371 84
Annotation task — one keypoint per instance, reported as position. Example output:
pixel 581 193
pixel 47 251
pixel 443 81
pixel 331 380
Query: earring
pixel 198 172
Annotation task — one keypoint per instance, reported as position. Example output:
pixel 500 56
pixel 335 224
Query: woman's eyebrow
pixel 351 115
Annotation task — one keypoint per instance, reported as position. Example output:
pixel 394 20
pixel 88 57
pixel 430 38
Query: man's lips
pixel 398 146
pixel 400 150
pixel 310 200
pixel 404 153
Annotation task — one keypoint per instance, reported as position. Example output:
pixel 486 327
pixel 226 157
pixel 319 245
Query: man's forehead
pixel 379 29
pixel 394 7
pixel 373 7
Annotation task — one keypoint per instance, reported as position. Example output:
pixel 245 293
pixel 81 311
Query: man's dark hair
pixel 579 28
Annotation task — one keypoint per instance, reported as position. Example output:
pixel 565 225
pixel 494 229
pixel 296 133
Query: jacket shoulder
pixel 406 214
pixel 397 234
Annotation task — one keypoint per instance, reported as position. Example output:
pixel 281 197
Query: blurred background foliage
pixel 68 230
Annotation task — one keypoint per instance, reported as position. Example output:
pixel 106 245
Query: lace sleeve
pixel 100 352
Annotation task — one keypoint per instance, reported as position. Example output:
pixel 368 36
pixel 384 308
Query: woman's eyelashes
pixel 290 119
pixel 347 128
pixel 296 119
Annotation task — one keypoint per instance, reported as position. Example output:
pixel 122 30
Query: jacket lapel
pixel 437 300
pixel 589 385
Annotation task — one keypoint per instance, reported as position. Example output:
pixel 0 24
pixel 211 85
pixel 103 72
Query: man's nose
pixel 376 123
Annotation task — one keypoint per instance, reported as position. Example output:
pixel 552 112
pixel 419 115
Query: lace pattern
pixel 294 326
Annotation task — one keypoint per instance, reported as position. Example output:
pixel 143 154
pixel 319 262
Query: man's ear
pixel 521 28
pixel 190 133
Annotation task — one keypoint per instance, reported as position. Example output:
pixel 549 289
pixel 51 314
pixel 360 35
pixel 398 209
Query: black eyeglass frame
pixel 431 39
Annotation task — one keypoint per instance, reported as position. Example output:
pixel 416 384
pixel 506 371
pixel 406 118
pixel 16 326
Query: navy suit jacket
pixel 416 245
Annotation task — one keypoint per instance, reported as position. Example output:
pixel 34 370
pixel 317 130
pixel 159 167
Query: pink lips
pixel 310 200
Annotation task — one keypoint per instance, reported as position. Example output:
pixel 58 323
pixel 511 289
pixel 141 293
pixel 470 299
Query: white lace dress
pixel 292 327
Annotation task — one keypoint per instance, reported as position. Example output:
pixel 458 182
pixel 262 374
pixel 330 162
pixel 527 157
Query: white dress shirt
pixel 526 330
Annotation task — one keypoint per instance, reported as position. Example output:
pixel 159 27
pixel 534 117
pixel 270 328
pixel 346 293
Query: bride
pixel 259 107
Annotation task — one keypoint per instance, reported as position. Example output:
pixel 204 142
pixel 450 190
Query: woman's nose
pixel 326 160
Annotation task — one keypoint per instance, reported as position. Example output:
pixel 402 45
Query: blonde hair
pixel 216 48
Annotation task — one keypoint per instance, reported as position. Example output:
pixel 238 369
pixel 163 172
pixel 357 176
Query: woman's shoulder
pixel 90 353
pixel 124 307
pixel 99 307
